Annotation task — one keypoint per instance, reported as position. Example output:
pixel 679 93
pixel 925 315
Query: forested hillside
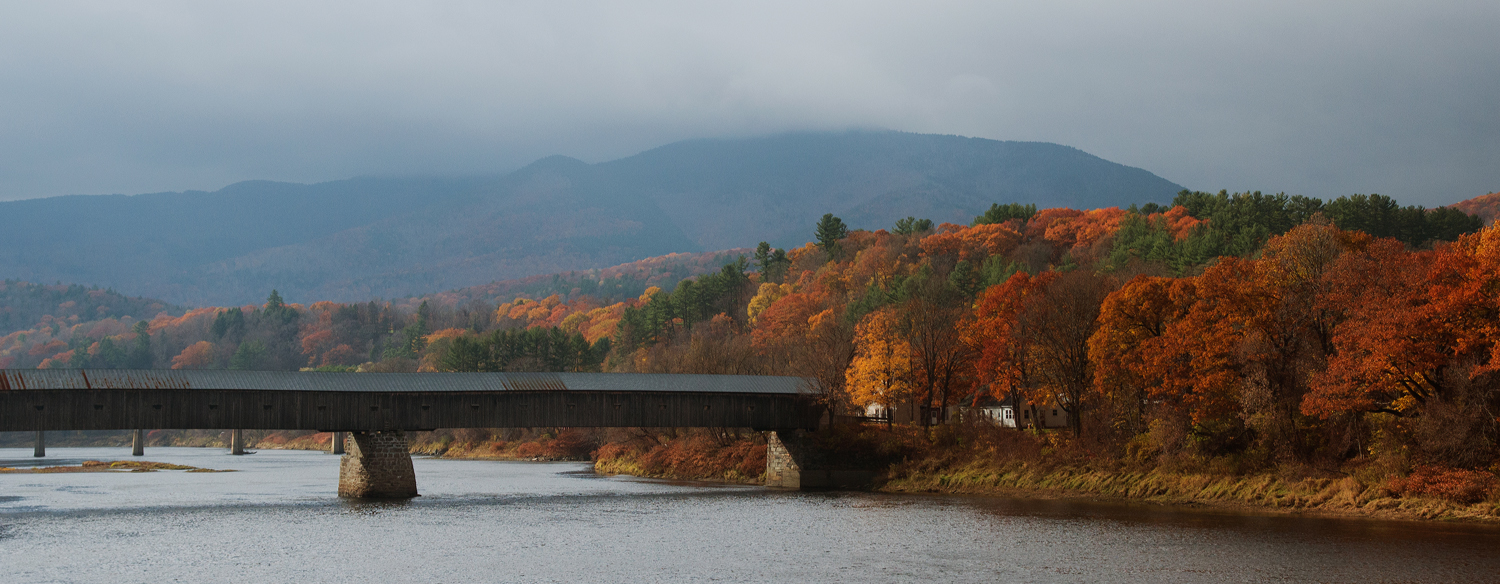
pixel 1235 332
pixel 25 305
pixel 1486 207
pixel 50 322
pixel 390 238
pixel 611 284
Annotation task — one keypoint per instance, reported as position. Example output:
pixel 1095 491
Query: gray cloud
pixel 1324 98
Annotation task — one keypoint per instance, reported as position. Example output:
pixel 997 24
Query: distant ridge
pixel 1487 207
pixel 368 238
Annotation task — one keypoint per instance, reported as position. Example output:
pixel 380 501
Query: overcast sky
pixel 1318 98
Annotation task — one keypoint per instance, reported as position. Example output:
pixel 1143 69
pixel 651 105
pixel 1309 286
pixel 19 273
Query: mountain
pixel 728 193
pixel 391 237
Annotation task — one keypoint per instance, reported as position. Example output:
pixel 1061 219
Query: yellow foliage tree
pixel 766 295
pixel 882 367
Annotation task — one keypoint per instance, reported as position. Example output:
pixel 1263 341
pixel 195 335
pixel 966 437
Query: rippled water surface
pixel 277 520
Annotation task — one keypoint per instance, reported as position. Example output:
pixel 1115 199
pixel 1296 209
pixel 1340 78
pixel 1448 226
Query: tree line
pixel 1241 327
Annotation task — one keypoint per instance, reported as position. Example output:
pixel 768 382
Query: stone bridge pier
pixel 377 465
pixel 794 461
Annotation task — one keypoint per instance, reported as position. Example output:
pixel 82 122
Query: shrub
pixel 572 444
pixel 530 450
pixel 1459 485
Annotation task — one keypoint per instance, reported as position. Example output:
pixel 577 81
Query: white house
pixel 1000 413
pixel 1003 414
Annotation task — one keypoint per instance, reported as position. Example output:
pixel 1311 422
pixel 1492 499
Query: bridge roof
pixel 36 379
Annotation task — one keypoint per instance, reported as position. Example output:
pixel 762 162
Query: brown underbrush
pixel 685 455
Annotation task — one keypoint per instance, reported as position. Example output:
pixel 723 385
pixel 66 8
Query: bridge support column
pixel 41 444
pixel 782 468
pixel 377 466
pixel 337 443
pixel 236 442
pixel 793 461
pixel 138 443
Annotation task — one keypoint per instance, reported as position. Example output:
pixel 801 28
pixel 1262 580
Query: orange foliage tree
pixel 1000 363
pixel 199 355
pixel 971 243
pixel 1420 343
pixel 1137 359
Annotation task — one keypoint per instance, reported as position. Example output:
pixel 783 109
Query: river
pixel 276 520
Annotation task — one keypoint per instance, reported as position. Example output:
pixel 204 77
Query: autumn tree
pixel 825 354
pixel 1000 363
pixel 1418 343
pixel 1056 324
pixel 1133 362
pixel 198 356
pixel 765 295
pixel 1264 315
pixel 928 307
pixel 974 244
pixel 881 371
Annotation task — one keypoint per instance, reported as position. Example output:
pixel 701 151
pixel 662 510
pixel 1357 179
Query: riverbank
pixel 1012 464
pixel 963 461
pixel 1267 492
pixel 988 461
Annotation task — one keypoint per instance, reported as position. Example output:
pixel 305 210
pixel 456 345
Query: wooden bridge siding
pixel 184 409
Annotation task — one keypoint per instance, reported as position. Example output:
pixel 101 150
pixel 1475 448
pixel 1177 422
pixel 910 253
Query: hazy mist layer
pixel 1323 99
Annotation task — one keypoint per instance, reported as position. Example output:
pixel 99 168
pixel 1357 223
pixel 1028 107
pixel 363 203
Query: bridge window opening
pixel 213 406
pixel 40 408
pixel 266 406
pixel 374 408
pixel 617 406
pixel 662 406
pixel 156 407
pixel 321 408
pixel 426 407
pixel 98 406
pixel 705 408
pixel 570 406
pixel 475 406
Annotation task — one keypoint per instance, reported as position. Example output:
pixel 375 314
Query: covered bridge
pixel 378 407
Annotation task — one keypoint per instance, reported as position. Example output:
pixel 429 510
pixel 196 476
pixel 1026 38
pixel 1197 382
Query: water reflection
pixel 276 520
